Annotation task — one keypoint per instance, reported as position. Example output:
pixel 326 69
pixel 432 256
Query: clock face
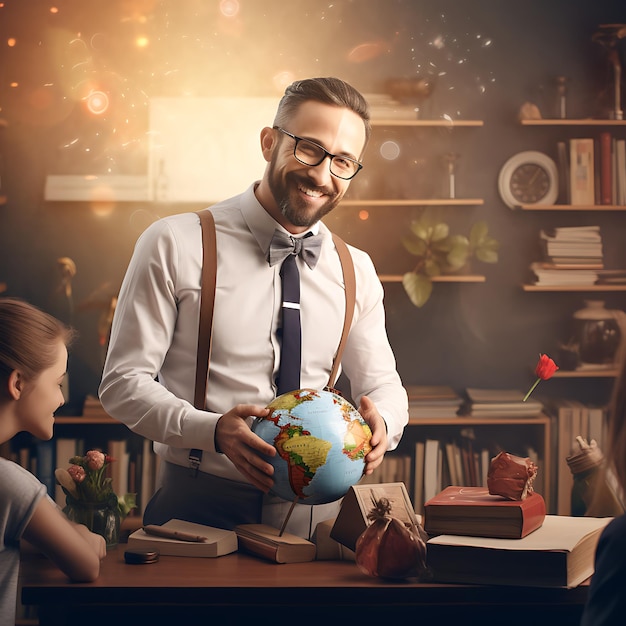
pixel 529 183
pixel 528 178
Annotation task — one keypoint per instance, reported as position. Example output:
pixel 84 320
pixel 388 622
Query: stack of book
pixel 433 401
pixel 560 553
pixel 573 246
pixel 499 403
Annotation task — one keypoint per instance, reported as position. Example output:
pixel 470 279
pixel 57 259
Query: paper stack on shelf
pixel 573 244
pixel 433 401
pixel 501 403
pixel 572 256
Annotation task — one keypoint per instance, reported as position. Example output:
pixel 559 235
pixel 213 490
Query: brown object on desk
pixel 237 588
pixel 474 511
pixel 559 554
pixel 269 543
pixel 511 476
pixel 216 541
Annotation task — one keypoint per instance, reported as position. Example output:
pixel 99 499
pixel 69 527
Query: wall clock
pixel 528 178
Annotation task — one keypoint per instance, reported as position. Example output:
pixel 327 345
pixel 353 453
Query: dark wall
pixel 489 56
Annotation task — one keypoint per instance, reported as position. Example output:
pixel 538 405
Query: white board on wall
pixel 206 149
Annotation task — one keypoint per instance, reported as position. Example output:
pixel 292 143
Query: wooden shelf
pixel 574 287
pixel 416 202
pixel 586 373
pixel 573 122
pixel 427 123
pixel 444 278
pixel 468 420
pixel 572 207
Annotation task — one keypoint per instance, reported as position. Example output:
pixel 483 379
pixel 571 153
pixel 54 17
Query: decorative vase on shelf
pixel 102 518
pixel 598 332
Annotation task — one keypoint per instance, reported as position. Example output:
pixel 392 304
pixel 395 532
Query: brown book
pixel 474 511
pixel 218 541
pixel 606 168
pixel 559 554
pixel 264 541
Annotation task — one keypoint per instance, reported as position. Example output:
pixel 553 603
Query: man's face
pixel 304 193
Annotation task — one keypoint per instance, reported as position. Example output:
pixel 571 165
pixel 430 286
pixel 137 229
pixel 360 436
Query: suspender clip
pixel 195 456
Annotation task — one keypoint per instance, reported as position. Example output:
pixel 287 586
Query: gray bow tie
pixel 282 245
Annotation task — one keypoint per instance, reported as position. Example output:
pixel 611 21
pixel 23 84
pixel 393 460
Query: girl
pixel 33 360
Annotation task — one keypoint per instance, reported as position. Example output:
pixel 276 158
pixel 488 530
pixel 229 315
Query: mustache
pixel 305 181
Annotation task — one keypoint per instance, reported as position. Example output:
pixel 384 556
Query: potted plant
pixel 439 252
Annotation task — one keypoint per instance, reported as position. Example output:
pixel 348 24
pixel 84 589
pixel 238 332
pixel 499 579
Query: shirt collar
pixel 261 224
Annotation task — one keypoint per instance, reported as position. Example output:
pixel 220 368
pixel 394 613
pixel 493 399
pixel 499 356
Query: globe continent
pixel 321 442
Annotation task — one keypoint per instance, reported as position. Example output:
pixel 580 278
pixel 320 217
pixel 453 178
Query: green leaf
pixel 478 233
pixel 459 252
pixel 440 231
pixel 417 287
pixel 416 247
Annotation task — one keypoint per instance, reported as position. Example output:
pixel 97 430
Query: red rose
pixel 545 369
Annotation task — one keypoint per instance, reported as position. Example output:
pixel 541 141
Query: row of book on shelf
pixel 592 171
pixel 133 470
pixel 571 419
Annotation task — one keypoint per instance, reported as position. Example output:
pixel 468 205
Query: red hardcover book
pixel 473 511
pixel 606 168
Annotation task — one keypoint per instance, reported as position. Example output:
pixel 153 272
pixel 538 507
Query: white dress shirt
pixel 149 373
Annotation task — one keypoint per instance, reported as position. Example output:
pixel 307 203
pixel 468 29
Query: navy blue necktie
pixel 291 348
pixel 284 246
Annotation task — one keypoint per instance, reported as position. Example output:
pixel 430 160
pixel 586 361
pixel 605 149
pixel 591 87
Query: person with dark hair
pixel 33 360
pixel 313 150
pixel 606 603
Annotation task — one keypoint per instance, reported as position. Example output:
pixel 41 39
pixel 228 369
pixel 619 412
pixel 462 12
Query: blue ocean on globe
pixel 321 442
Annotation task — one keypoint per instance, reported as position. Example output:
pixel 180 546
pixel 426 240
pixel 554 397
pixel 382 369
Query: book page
pixel 558 532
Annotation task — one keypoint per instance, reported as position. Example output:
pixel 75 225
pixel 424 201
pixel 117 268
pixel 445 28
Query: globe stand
pixel 289 512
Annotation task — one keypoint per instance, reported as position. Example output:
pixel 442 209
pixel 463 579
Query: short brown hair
pixel 333 91
pixel 28 338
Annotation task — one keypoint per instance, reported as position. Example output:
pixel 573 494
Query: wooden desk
pixel 238 588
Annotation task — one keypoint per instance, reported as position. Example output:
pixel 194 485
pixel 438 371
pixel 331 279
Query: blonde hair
pixel 28 338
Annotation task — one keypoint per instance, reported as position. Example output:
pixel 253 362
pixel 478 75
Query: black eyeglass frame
pixel 326 155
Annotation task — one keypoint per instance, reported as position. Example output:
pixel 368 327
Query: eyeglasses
pixel 311 153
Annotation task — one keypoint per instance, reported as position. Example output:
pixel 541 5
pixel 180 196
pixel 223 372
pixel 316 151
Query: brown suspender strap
pixel 207 300
pixel 349 280
pixel 205 325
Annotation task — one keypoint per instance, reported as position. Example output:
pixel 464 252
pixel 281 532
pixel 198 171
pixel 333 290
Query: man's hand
pixel 235 439
pixel 377 425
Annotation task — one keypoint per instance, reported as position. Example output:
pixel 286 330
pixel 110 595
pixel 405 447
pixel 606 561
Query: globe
pixel 321 442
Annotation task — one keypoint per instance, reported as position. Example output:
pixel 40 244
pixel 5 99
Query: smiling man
pixel 313 151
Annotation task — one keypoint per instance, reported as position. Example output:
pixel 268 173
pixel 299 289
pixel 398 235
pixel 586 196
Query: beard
pixel 290 202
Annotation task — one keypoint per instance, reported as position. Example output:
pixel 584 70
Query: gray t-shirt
pixel 20 492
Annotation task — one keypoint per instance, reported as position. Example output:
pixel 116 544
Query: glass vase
pixel 102 518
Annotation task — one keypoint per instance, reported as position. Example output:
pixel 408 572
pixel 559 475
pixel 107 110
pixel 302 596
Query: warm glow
pixel 142 41
pixel 11 41
pixel 97 102
pixel 364 215
pixel 14 84
pixel 229 8
pixel 54 9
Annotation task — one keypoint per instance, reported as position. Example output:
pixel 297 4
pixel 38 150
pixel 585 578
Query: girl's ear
pixel 15 384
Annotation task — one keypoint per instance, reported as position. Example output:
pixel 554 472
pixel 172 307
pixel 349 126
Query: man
pixel 312 151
